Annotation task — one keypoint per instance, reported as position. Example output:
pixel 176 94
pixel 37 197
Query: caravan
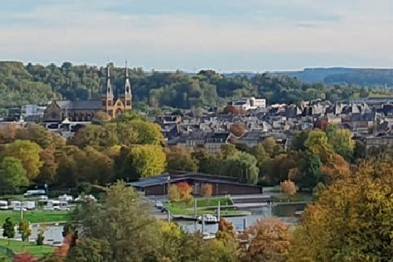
pixel 3 205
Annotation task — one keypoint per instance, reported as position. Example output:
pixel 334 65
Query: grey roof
pixel 173 178
pixel 80 105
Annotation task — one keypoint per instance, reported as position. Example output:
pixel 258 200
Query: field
pixel 21 247
pixel 36 216
pixel 204 206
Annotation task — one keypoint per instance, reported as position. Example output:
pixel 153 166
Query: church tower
pixel 108 98
pixel 127 91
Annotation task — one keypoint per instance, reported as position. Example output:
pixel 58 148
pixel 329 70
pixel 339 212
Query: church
pixel 113 102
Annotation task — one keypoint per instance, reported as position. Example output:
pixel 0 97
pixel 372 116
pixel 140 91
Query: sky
pixel 224 35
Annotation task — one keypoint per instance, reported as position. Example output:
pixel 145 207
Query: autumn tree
pixel 288 187
pixel 185 191
pixel 351 221
pixel 173 193
pixel 98 167
pixel 269 240
pixel 50 166
pixel 29 155
pixel 180 159
pixel 24 230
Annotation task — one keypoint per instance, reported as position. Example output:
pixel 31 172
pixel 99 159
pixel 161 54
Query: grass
pixel 21 247
pixel 36 216
pixel 205 206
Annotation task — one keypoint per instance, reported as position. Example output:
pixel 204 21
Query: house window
pixel 128 102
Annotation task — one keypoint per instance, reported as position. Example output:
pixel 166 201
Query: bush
pixel 40 238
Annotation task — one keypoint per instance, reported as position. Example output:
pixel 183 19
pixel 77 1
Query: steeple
pixel 109 90
pixel 127 90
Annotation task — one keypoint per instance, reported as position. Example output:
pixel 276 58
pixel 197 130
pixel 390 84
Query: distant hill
pixel 346 76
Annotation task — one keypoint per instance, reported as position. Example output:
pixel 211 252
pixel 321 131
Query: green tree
pixel 12 174
pixel 318 144
pixel 242 165
pixel 144 161
pixel 29 155
pixel 90 250
pixel 121 224
pixel 8 229
pixel 341 140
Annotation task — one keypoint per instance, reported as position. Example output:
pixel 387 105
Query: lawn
pixel 21 247
pixel 36 216
pixel 205 206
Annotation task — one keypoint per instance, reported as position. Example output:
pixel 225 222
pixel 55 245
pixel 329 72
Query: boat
pixel 208 219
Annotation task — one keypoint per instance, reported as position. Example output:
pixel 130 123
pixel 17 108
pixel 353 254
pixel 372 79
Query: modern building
pixel 158 186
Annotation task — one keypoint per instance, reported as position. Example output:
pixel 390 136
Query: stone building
pixel 113 102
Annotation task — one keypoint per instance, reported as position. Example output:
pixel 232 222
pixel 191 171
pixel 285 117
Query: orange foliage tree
pixel 288 187
pixel 269 240
pixel 185 191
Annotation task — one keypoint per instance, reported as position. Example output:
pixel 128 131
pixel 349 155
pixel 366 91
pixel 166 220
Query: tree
pixel 50 166
pixel 148 133
pixel 40 238
pixel 180 159
pixel 318 144
pixel 144 161
pixel 269 240
pixel 341 140
pixel 29 155
pixel 271 147
pixel 12 174
pixel 288 187
pixel 8 229
pixel 185 191
pixel 351 221
pixel 122 224
pixel 24 230
pixel 98 168
pixel 90 250
pixel 243 166
pixel 173 193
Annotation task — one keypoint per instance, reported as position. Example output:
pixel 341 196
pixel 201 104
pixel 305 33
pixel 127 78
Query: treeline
pixel 128 148
pixel 39 84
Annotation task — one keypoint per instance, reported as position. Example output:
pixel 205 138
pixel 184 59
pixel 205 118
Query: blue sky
pixel 225 35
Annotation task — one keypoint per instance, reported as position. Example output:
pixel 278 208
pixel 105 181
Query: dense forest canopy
pixel 22 84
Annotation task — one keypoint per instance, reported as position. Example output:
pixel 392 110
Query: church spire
pixel 109 90
pixel 127 89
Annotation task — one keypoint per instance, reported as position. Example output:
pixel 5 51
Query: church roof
pixel 80 105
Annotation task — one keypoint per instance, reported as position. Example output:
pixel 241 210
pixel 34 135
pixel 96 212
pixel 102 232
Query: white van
pixel 57 205
pixel 3 205
pixel 36 192
pixel 29 205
